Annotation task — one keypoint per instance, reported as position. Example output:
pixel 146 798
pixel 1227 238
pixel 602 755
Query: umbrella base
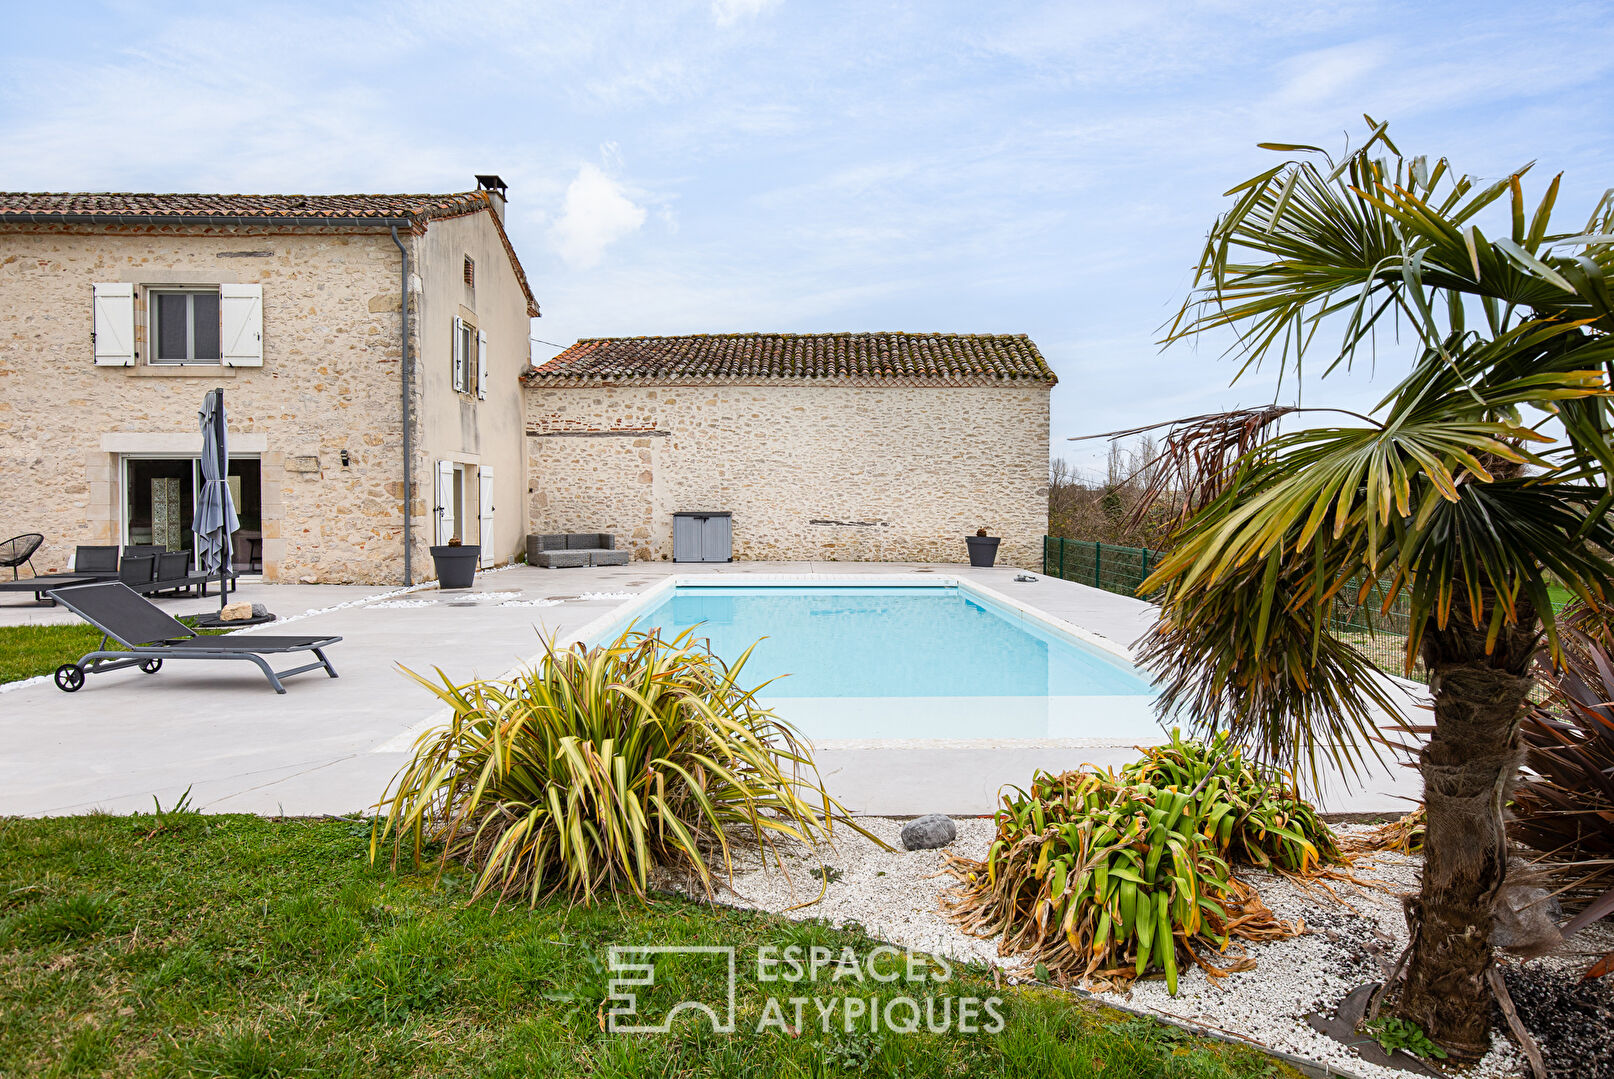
pixel 213 621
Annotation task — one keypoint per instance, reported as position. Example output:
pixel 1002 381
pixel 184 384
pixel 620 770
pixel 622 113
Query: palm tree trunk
pixel 1468 768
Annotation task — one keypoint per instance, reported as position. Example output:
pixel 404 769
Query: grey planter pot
pixel 456 566
pixel 983 549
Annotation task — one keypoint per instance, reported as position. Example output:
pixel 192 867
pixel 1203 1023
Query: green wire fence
pixel 1380 635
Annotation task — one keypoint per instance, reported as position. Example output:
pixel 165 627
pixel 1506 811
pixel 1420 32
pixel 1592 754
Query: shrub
pixel 1105 876
pixel 1563 804
pixel 602 766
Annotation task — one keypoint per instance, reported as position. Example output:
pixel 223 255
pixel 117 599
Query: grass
pixel 240 946
pixel 29 651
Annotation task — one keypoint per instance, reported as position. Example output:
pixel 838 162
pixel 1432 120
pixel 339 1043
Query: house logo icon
pixel 631 1000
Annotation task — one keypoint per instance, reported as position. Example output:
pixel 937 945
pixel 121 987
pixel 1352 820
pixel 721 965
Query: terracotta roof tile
pixel 46 205
pixel 42 208
pixel 864 358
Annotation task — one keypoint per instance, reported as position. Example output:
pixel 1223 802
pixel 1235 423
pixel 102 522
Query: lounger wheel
pixel 151 666
pixel 69 678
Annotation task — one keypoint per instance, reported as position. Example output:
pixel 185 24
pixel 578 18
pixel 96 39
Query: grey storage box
pixel 703 537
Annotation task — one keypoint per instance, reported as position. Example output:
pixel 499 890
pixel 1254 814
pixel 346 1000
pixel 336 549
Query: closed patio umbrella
pixel 215 510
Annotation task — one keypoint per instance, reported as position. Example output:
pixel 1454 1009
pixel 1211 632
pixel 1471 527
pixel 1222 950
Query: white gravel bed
pixel 895 896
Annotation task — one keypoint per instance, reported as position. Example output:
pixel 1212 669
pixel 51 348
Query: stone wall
pixel 809 472
pixel 329 382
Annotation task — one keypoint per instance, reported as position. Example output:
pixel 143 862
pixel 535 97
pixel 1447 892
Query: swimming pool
pixel 925 662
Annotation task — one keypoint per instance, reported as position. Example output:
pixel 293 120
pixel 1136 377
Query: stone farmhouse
pixel 369 346
pixel 845 446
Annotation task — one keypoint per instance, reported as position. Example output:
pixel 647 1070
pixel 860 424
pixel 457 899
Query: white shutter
pixel 481 364
pixel 459 355
pixel 241 325
pixel 484 509
pixel 114 325
pixel 445 502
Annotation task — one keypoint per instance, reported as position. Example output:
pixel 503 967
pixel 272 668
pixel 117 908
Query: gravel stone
pixel 896 894
pixel 929 832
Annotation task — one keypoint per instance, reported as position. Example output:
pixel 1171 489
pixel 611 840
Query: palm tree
pixel 1480 477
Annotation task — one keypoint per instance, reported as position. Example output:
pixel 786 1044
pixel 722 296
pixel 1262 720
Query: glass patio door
pixel 159 502
pixel 159 506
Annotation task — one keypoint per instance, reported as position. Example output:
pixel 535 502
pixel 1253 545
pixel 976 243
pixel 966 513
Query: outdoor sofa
pixel 148 636
pixel 572 550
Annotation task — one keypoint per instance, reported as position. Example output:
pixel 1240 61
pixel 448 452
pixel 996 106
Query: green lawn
pixel 27 651
pixel 239 946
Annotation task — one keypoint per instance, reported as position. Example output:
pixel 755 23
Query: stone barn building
pixel 319 316
pixel 884 447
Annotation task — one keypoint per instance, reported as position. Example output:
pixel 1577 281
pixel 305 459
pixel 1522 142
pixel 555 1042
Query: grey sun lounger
pixel 148 636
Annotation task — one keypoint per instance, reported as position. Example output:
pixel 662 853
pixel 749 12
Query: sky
pixel 778 165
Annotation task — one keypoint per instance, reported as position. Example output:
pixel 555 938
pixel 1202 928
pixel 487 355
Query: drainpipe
pixel 408 440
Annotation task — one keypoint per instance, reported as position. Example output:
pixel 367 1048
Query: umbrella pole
pixel 224 478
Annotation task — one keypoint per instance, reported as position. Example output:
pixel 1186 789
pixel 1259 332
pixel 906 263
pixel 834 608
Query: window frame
pixel 154 327
pixel 464 351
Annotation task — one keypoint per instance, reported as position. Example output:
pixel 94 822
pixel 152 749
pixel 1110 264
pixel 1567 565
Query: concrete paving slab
pixel 330 746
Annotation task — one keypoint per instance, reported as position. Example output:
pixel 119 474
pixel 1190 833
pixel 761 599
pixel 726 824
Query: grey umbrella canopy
pixel 215 510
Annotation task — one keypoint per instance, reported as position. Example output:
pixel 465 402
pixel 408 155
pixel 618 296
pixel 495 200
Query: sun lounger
pixel 148 636
pixel 42 584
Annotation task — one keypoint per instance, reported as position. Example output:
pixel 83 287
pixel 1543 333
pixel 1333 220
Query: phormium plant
pixel 601 767
pixel 1107 876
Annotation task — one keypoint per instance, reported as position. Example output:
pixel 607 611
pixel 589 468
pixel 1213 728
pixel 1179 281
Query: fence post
pixel 1062 542
pixel 1098 559
pixel 1145 557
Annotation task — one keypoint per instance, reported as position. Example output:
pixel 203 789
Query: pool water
pixel 911 662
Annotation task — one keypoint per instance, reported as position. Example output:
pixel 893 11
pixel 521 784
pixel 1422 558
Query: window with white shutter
pixel 484 512
pixel 481 365
pixel 114 332
pixel 447 511
pixel 241 325
pixel 460 354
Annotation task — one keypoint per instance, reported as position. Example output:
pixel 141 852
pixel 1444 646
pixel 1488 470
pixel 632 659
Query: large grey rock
pixel 1524 920
pixel 929 832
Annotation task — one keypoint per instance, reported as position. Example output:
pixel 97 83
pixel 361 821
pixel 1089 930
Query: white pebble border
pixel 895 895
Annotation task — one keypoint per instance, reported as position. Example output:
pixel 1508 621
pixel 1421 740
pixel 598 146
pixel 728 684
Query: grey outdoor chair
pixel 96 560
pixel 19 551
pixel 148 636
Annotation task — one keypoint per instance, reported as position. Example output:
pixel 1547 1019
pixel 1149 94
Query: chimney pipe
pixel 495 187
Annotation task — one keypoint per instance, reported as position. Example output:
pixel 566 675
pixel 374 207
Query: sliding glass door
pixel 159 506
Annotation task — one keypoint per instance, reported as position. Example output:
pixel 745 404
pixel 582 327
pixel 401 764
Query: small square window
pixel 184 326
pixel 470 272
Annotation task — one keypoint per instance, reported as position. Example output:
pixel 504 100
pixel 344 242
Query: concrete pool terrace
pixel 331 746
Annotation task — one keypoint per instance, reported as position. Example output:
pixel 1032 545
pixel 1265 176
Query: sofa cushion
pixel 562 559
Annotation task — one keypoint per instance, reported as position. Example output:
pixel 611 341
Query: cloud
pixel 596 214
pixel 729 12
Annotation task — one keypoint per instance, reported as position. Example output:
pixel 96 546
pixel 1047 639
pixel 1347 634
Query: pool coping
pixel 650 596
pixel 621 617
pixel 623 614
